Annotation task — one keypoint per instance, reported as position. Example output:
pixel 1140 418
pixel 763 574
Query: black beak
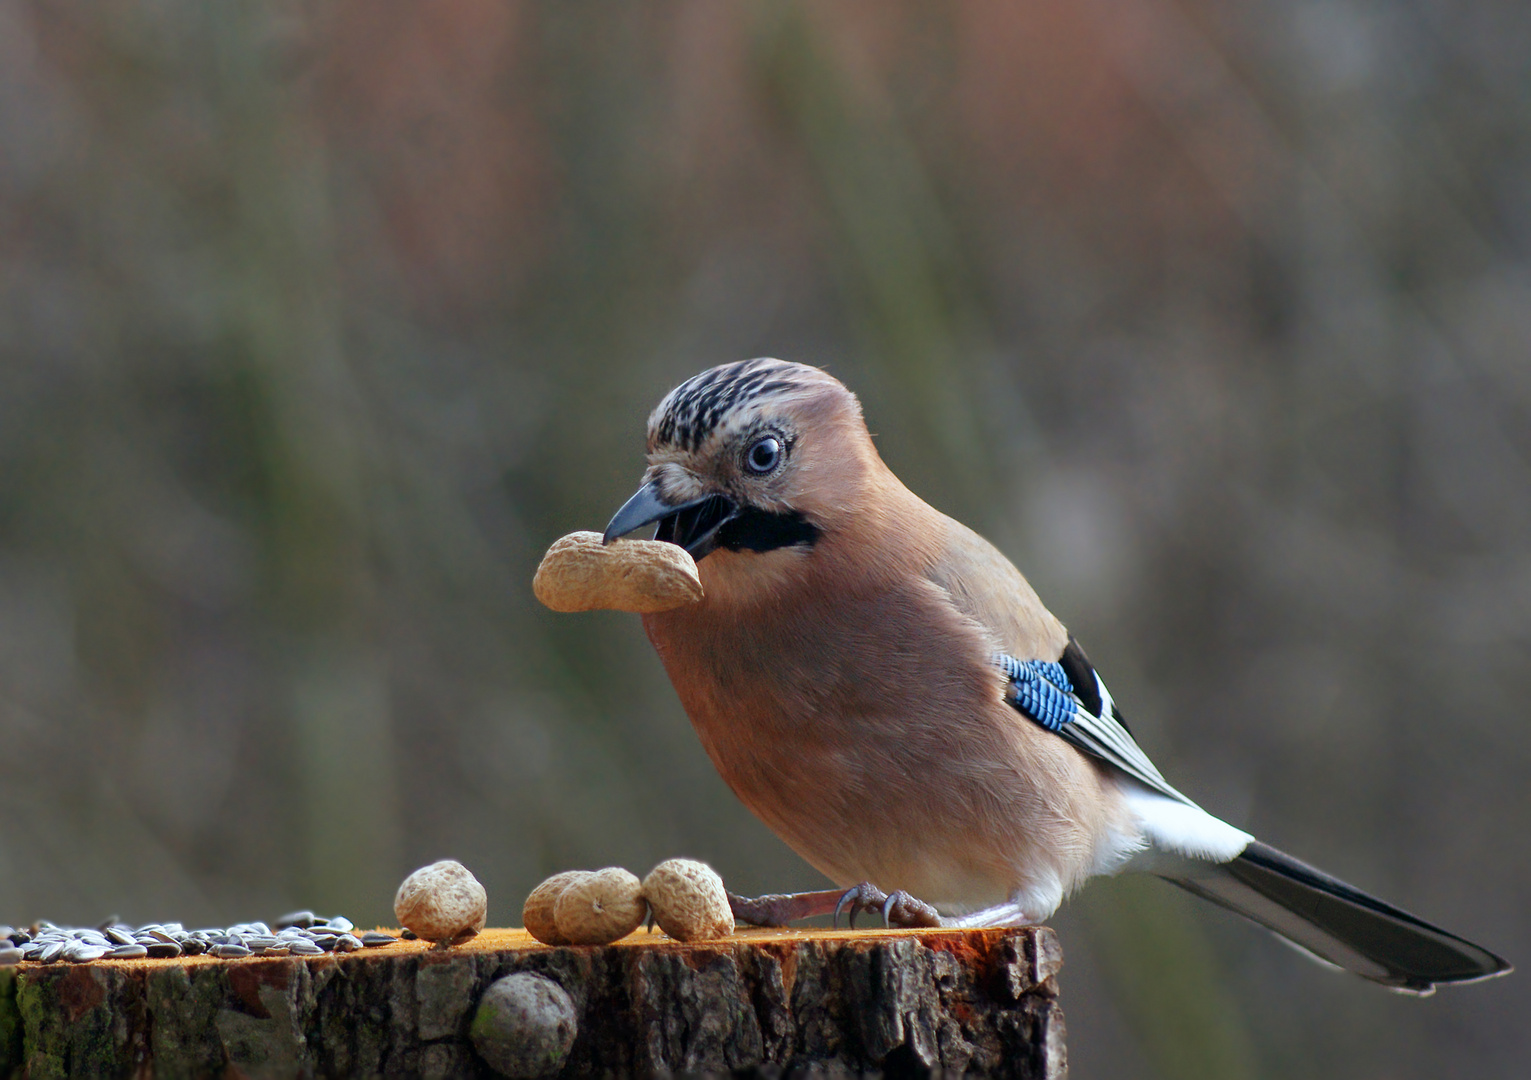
pixel 693 525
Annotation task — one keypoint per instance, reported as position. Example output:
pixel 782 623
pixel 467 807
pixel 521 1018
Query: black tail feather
pixel 1339 923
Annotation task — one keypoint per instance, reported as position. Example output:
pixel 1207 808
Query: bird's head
pixel 753 456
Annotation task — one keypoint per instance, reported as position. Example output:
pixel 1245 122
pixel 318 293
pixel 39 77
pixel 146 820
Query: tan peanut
pixel 442 902
pixel 579 573
pixel 537 914
pixel 600 907
pixel 688 900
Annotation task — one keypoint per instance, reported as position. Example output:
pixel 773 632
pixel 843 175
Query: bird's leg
pixel 898 909
pixel 779 909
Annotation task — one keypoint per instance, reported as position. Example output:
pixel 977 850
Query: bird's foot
pixel 898 908
pixel 779 909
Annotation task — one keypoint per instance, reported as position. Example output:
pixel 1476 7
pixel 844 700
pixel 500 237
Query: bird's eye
pixel 764 455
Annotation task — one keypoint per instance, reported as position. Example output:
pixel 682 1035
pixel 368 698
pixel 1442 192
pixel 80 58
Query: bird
pixel 890 696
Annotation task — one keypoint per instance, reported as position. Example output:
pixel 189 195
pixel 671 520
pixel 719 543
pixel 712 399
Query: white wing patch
pixel 1183 828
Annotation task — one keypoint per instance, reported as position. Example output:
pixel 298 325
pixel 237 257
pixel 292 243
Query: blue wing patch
pixel 1040 689
pixel 1043 691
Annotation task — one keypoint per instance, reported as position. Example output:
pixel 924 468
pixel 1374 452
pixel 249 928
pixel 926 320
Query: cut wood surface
pixel 756 1002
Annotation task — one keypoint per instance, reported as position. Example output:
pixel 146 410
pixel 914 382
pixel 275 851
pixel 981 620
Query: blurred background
pixel 320 321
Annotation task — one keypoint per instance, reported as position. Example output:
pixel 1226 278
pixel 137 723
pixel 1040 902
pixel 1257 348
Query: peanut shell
pixel 688 900
pixel 600 907
pixel 579 573
pixel 537 914
pixel 442 902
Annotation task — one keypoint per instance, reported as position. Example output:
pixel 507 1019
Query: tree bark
pixel 759 1003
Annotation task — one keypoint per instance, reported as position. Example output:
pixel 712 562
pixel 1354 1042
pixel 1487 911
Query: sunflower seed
pixel 83 952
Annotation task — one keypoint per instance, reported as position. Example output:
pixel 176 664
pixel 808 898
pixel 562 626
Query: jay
pixel 885 691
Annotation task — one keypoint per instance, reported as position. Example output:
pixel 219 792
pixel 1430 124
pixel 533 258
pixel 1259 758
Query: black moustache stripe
pixel 764 530
pixel 716 524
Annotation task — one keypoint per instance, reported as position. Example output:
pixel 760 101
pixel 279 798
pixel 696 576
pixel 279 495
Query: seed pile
pixel 301 933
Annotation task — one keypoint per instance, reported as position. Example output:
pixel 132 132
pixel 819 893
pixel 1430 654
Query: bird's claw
pixel 898 908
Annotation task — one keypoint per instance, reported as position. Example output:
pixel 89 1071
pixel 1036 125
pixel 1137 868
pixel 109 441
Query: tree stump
pixel 758 1003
